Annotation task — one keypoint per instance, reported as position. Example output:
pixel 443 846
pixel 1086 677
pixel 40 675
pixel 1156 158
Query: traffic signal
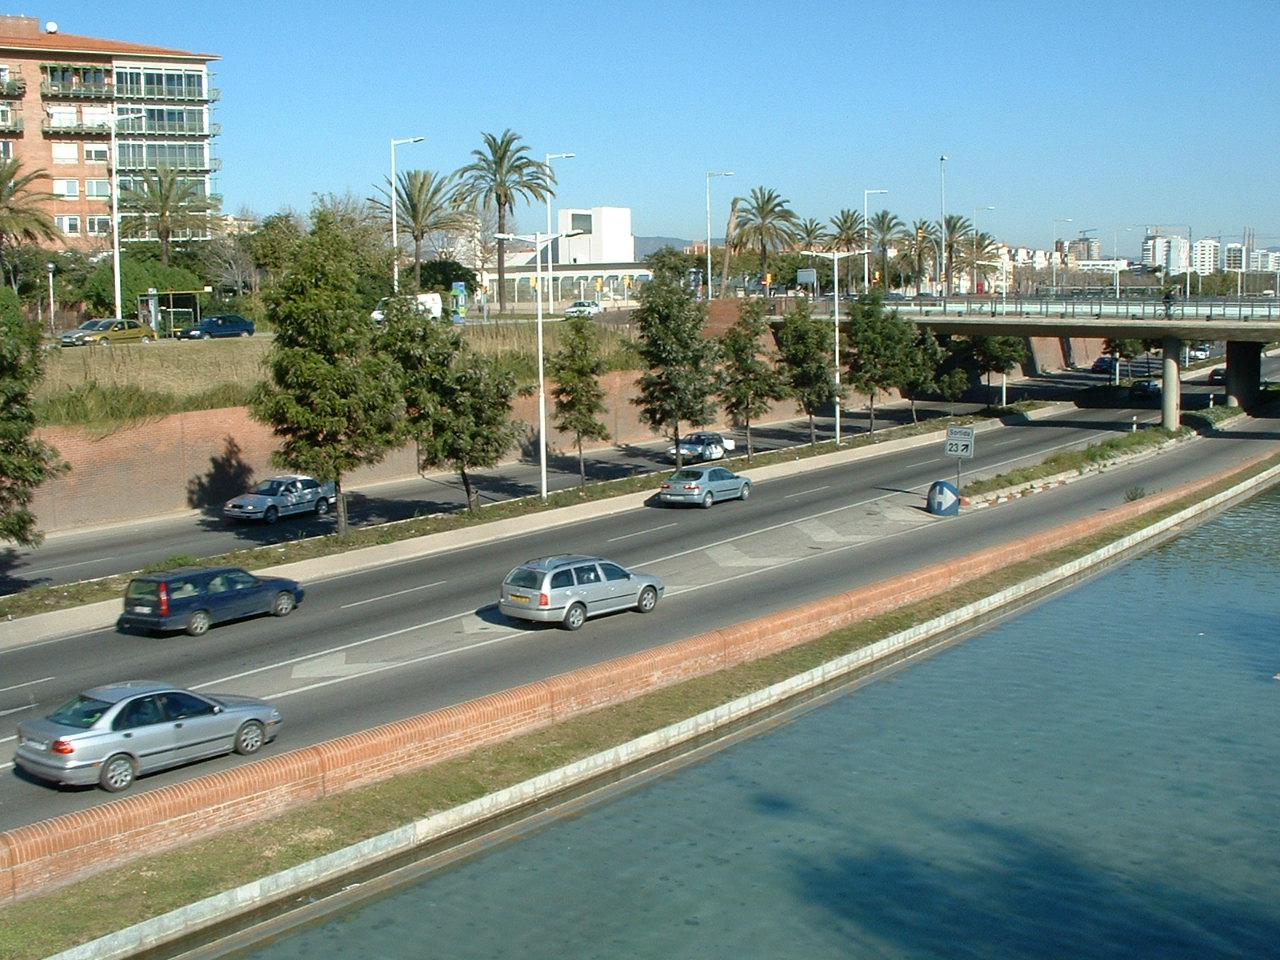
pixel 768 279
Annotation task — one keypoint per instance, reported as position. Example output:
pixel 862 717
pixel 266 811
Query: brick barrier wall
pixel 71 847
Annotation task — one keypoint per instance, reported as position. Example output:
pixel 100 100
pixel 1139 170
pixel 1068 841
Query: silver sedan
pixel 111 734
pixel 704 485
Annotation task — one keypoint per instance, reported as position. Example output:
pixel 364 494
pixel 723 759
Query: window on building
pixel 580 221
pixel 63 116
pixel 66 152
pixel 97 188
pixel 69 225
pixel 96 153
pixel 66 188
pixel 6 149
pixel 98 226
pixel 96 116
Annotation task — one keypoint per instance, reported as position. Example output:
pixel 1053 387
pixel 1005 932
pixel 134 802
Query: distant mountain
pixel 648 245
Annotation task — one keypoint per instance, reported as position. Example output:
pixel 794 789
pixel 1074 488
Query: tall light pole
pixel 52 327
pixel 1053 252
pixel 974 280
pixel 538 239
pixel 835 256
pixel 395 202
pixel 1115 254
pixel 866 262
pixel 550 264
pixel 728 173
pixel 942 223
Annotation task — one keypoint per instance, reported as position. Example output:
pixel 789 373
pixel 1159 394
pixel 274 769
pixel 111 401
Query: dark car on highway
pixel 1144 390
pixel 195 598
pixel 221 325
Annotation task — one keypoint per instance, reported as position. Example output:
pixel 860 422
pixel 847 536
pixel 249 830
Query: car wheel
pixel 575 617
pixel 322 506
pixel 250 737
pixel 206 335
pixel 745 492
pixel 647 600
pixel 117 773
pixel 283 605
pixel 246 333
pixel 271 515
pixel 146 339
pixel 708 499
pixel 199 623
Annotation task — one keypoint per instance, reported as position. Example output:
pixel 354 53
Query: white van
pixel 429 303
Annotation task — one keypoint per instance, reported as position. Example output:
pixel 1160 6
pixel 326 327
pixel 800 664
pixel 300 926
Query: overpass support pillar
pixel 1171 384
pixel 1244 372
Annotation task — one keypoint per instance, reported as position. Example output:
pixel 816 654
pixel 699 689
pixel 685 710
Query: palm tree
pixel 500 174
pixel 981 252
pixel 920 249
pixel 884 228
pixel 848 232
pixel 953 233
pixel 161 203
pixel 811 235
pixel 426 204
pixel 765 222
pixel 23 216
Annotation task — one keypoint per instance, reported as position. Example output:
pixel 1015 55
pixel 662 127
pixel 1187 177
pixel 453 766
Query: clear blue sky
pixel 1114 115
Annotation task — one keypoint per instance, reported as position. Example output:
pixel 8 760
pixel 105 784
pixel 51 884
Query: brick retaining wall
pixel 74 846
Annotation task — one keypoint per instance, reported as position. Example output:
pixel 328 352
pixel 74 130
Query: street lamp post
pixel 728 173
pixel 550 264
pixel 1053 252
pixel 942 223
pixel 395 202
pixel 1115 254
pixel 866 262
pixel 974 279
pixel 835 256
pixel 52 327
pixel 538 239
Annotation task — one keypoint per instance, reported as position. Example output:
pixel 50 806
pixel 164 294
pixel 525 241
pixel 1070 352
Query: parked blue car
pixel 195 598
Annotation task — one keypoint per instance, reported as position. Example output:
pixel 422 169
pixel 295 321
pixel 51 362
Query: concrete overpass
pixel 1244 339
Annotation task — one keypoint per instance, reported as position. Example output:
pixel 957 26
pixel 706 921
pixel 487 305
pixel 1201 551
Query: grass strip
pixel 40 926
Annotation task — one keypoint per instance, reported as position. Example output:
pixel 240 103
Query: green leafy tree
pixel 678 385
pixel 163 204
pixel 332 398
pixel 25 462
pixel 997 355
pixel 919 373
pixel 443 274
pixel 672 263
pixel 24 217
pixel 952 385
pixel 427 204
pixel 502 173
pixel 275 242
pixel 579 398
pixel 1127 350
pixel 805 351
pixel 748 381
pixel 880 346
pixel 765 223
pixel 137 276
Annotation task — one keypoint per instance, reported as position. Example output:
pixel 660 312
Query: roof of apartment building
pixel 24 33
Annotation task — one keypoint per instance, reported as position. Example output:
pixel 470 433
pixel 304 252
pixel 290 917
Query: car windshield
pixel 525 578
pixel 269 488
pixel 80 711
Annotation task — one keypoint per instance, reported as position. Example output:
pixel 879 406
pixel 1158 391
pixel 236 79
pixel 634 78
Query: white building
pixel 1206 255
pixel 1172 254
pixel 605 236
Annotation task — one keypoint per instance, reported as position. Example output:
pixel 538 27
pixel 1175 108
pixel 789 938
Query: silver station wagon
pixel 568 589
pixel 111 734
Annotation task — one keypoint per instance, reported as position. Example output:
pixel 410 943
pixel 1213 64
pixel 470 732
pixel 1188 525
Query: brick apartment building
pixel 60 95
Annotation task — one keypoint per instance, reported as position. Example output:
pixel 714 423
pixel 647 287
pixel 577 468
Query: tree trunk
pixel 582 465
pixel 342 511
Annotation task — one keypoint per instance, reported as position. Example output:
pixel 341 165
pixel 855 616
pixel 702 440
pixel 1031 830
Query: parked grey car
pixel 276 497
pixel 702 446
pixel 110 735
pixel 568 589
pixel 704 486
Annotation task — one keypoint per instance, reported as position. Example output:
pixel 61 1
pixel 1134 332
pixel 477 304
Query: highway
pixel 371 647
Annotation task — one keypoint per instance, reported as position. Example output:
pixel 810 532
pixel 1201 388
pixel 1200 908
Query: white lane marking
pixel 639 533
pixel 385 596
pixel 25 683
pixel 64 566
pixel 805 493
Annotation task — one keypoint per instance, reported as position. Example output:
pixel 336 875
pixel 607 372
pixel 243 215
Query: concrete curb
pixel 206 913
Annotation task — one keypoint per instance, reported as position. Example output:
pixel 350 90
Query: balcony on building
pixel 11 82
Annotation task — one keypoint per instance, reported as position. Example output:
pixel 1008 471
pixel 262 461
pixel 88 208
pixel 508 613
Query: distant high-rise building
pixel 1084 248
pixel 1206 255
pixel 1233 256
pixel 60 96
pixel 1172 254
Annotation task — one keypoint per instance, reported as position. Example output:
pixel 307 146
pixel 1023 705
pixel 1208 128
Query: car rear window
pixel 80 711
pixel 143 590
pixel 525 578
pixel 687 475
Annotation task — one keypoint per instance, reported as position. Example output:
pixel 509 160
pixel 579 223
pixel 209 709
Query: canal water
pixel 1096 777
